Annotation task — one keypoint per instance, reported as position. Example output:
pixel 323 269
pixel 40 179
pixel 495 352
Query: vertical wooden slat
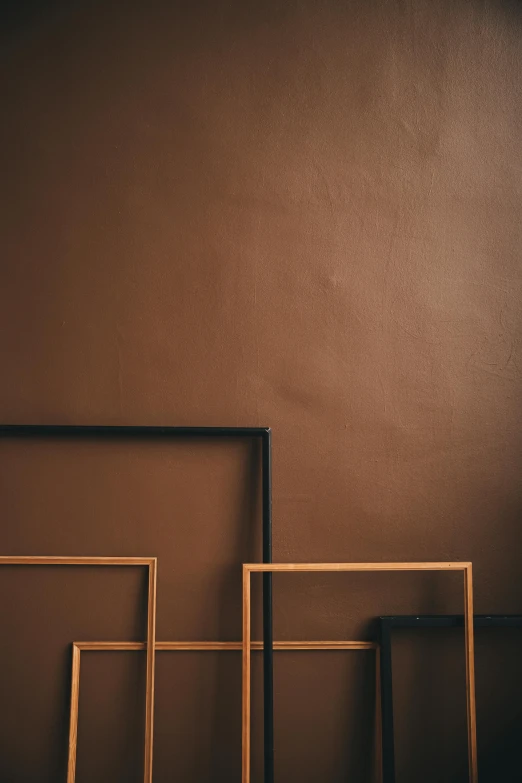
pixel 470 674
pixel 73 723
pixel 246 677
pixel 151 659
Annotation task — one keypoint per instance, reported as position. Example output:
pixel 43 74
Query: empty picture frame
pixel 133 433
pixel 386 626
pixel 466 569
pixel 79 647
pixel 151 564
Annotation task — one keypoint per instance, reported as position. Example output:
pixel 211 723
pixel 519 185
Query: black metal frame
pixel 145 432
pixel 386 624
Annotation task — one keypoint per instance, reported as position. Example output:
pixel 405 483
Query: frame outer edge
pixel 151 658
pixel 73 719
pixel 470 674
pixel 246 677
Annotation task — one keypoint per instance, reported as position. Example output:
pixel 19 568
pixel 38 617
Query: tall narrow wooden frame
pixel 465 567
pixel 78 647
pixel 151 564
pixel 143 432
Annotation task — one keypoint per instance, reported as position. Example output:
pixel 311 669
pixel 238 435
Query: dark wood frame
pixel 109 432
pixel 386 626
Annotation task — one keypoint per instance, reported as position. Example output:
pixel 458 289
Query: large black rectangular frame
pixel 386 624
pixel 71 431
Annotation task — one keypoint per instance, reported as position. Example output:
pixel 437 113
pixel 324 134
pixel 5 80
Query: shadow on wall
pixel 20 16
pixel 501 760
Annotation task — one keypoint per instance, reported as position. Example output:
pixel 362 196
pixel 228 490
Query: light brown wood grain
pixel 151 659
pixel 465 567
pixel 34 560
pixel 470 675
pixel 326 567
pixel 245 720
pixel 230 646
pixel 151 564
pixel 73 721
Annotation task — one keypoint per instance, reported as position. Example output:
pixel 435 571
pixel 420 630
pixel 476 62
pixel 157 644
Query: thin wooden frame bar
pixel 110 432
pixel 79 647
pixel 387 624
pixel 465 567
pixel 151 564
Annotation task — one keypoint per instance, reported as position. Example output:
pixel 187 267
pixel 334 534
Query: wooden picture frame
pixel 465 567
pixel 390 622
pixel 136 433
pixel 151 564
pixel 79 647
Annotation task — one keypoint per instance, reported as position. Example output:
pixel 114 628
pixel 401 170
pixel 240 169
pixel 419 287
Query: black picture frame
pixel 386 625
pixel 144 432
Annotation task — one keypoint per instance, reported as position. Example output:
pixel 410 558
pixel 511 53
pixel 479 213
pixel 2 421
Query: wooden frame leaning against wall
pixel 135 433
pixel 387 625
pixel 151 564
pixel 466 569
pixel 79 647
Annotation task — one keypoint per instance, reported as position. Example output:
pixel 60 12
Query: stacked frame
pixel 151 564
pixel 386 626
pixel 464 567
pixel 118 432
pixel 79 647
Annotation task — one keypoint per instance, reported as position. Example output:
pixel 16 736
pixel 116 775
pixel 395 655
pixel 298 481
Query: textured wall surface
pixel 304 215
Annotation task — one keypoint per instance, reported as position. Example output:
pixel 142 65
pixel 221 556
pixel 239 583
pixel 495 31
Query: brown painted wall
pixel 297 214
